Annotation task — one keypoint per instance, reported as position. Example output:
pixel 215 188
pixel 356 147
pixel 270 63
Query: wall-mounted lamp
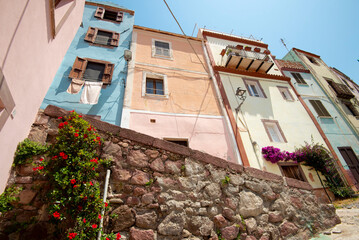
pixel 241 94
pixel 127 55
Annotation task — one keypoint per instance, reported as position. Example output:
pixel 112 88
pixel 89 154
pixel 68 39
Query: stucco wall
pixel 110 103
pixel 206 134
pixel 189 110
pixel 320 71
pixel 335 128
pixel 294 121
pixel 29 59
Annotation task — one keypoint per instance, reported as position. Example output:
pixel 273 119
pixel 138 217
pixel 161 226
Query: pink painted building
pixel 34 37
pixel 169 94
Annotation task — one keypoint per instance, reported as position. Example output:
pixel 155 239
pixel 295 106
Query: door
pixel 351 160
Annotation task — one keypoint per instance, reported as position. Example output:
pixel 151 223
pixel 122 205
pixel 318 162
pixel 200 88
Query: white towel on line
pixel 91 92
pixel 75 86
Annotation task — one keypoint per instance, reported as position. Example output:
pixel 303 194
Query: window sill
pixel 325 117
pixel 163 57
pixel 155 96
pixel 302 84
pixel 101 45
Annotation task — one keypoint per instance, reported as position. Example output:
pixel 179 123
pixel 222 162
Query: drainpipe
pixel 104 200
pixel 220 100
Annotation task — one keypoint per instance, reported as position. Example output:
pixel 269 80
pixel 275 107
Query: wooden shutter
pixel 91 34
pixel 78 68
pixel 119 17
pixel 100 12
pixel 319 108
pixel 115 39
pixel 298 78
pixel 107 75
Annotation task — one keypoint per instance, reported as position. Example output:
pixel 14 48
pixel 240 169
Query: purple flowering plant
pixel 275 155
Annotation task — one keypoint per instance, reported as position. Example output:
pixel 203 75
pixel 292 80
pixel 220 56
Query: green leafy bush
pixel 27 149
pixel 74 199
pixel 318 157
pixel 7 197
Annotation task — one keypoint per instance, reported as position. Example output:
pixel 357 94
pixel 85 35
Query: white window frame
pixel 249 85
pixel 157 76
pixel 284 91
pixel 170 57
pixel 274 131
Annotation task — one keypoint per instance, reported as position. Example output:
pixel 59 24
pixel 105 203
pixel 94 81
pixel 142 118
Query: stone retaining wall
pixel 160 190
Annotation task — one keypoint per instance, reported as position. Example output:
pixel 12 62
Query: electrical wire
pixel 185 36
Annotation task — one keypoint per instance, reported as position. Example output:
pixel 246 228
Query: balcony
pixel 247 59
pixel 341 90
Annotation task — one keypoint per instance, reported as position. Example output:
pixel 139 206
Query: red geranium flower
pixel 93 168
pixel 40 168
pixel 76 134
pixel 118 236
pixel 94 225
pixel 94 160
pixel 34 169
pixel 80 116
pixel 85 135
pixel 41 159
pixel 91 183
pixel 85 198
pixel 107 238
pixel 66 123
pixel 75 186
pixel 61 125
pixel 106 204
pixel 98 138
pixel 99 216
pixel 73 181
pixel 72 111
pixel 79 208
pixel 59 118
pixel 56 215
pixel 61 154
pixel 72 235
pixel 84 220
pixel 54 157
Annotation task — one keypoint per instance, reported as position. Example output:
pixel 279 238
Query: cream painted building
pixel 169 94
pixel 269 113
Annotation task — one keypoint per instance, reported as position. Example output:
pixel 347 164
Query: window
pixel 102 37
pixel 92 70
pixel 7 103
pixel 292 170
pixel 154 84
pixel 254 88
pixel 106 14
pixel 312 60
pixel 352 109
pixel 274 131
pixel 298 78
pixel 285 93
pixel 59 12
pixel 319 108
pixel 161 49
pixel 183 142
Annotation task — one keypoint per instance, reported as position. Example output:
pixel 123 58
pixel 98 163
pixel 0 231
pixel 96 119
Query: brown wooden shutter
pixel 319 108
pixel 119 17
pixel 100 12
pixel 91 34
pixel 115 39
pixel 107 75
pixel 78 68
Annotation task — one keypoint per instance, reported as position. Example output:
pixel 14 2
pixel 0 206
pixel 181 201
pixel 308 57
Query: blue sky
pixel 328 28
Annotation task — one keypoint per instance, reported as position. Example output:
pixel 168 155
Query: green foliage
pixel 226 180
pixel 27 149
pixel 318 157
pixel 8 197
pixel 149 183
pixel 74 199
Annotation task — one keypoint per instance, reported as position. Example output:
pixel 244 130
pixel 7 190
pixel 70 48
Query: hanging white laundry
pixel 91 92
pixel 75 86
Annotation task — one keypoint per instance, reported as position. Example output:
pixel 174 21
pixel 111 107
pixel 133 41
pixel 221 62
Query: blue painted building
pixel 337 129
pixel 95 55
